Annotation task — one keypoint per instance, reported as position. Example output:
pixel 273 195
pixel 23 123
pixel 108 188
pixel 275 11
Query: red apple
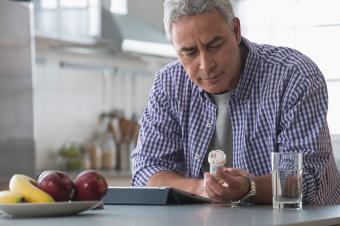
pixel 56 183
pixel 90 185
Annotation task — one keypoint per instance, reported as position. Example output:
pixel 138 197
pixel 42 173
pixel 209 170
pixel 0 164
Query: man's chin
pixel 213 90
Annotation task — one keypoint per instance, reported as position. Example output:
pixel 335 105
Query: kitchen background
pixel 75 74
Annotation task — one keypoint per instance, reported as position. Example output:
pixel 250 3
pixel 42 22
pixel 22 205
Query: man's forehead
pixel 183 36
pixel 206 43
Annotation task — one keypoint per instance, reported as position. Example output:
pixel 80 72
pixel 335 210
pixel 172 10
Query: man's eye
pixel 215 46
pixel 190 54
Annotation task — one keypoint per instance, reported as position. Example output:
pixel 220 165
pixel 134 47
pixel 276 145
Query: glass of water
pixel 287 180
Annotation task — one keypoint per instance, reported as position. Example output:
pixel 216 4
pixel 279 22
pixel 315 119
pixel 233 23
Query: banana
pixel 10 197
pixel 26 187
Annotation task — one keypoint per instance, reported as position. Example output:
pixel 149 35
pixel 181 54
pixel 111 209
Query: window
pixel 74 3
pixel 68 19
pixel 119 6
pixel 53 4
pixel 48 4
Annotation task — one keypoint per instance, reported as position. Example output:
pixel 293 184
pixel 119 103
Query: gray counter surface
pixel 188 215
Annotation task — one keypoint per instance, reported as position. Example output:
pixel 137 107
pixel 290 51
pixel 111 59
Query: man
pixel 227 93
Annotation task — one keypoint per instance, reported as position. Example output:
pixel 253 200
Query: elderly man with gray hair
pixel 225 92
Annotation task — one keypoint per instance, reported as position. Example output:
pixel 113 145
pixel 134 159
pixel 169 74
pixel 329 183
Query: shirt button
pixel 208 124
pixel 197 157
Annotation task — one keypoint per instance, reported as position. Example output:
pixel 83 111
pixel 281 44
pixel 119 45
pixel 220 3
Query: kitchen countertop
pixel 205 215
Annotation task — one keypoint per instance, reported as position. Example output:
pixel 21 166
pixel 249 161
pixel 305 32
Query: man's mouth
pixel 211 77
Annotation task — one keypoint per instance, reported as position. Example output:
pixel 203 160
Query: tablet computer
pixel 151 196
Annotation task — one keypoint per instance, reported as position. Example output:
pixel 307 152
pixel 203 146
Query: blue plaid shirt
pixel 279 104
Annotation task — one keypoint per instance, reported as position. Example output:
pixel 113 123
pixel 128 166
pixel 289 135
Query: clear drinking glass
pixel 287 180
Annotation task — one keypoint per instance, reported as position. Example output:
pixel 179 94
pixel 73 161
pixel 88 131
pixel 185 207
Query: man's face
pixel 209 50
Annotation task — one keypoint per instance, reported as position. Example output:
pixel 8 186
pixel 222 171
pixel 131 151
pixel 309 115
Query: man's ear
pixel 237 29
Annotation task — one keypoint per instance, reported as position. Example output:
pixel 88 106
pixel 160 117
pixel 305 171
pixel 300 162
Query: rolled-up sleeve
pixel 159 141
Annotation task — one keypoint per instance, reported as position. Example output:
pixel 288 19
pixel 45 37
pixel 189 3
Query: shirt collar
pixel 248 74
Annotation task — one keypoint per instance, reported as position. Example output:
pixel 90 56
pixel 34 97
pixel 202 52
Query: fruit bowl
pixel 20 210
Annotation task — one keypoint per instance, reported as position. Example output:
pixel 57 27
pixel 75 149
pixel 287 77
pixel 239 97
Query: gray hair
pixel 175 10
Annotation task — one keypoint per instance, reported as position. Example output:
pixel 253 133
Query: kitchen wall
pixel 71 89
pixel 80 78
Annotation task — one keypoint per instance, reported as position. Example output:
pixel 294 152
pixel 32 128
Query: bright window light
pixel 119 6
pixel 53 4
pixel 48 4
pixel 151 48
pixel 73 3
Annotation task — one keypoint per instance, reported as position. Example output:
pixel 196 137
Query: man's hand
pixel 230 185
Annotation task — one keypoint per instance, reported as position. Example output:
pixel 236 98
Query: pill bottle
pixel 216 159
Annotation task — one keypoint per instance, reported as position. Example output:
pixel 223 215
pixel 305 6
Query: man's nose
pixel 206 62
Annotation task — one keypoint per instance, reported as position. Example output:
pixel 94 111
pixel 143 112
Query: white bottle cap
pixel 217 159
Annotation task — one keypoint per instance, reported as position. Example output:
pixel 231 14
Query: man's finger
pixel 237 172
pixel 215 189
pixel 227 177
pixel 208 188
